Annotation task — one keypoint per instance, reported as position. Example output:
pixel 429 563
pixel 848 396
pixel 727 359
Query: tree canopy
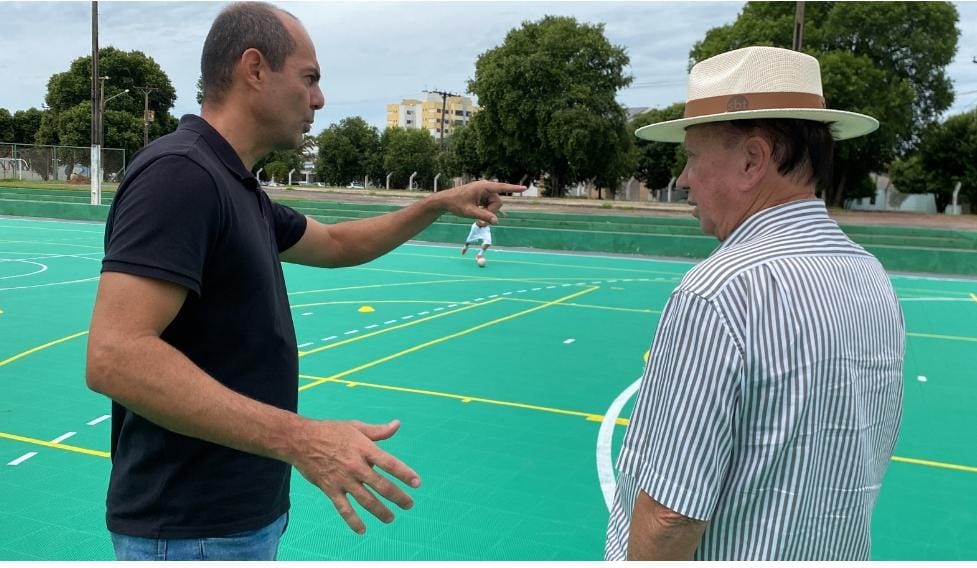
pixel 68 118
pixel 547 98
pixel 348 151
pixel 884 59
pixel 409 151
pixel 945 157
pixel 658 162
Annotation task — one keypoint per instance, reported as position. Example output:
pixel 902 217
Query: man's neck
pixel 237 131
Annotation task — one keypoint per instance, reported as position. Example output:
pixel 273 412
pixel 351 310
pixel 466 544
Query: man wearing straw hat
pixel 771 401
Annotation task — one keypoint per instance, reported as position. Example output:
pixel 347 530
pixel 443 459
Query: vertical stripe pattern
pixel 771 402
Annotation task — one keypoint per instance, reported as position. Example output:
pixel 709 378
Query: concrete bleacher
pixel 902 249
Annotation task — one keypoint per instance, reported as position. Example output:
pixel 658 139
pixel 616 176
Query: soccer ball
pixel 481 261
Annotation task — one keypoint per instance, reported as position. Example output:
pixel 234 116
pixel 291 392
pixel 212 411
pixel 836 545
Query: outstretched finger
pixel 370 502
pixel 388 490
pixel 377 432
pixel 396 468
pixel 500 187
pixel 347 512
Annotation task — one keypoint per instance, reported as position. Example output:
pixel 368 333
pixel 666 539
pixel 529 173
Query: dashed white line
pixel 330 338
pixel 351 332
pixel 569 341
pixel 438 309
pixel 536 289
pixel 22 458
pixel 307 314
pixel 921 379
pixel 388 322
pixel 63 437
pixel 423 313
pixel 478 299
pixel 372 326
pixel 305 344
pixel 406 317
pixel 101 418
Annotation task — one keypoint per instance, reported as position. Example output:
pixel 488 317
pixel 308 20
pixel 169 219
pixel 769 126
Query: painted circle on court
pixel 12 268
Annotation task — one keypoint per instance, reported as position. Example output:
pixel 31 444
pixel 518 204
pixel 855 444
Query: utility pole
pixel 95 166
pixel 798 25
pixel 444 103
pixel 146 117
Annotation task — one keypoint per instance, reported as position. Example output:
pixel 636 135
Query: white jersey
pixel 477 233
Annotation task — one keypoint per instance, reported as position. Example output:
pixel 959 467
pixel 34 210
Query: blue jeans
pixel 260 544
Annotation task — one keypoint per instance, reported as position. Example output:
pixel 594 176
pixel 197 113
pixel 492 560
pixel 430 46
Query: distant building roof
pixel 635 111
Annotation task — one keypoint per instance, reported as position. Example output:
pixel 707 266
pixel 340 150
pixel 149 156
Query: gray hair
pixel 239 27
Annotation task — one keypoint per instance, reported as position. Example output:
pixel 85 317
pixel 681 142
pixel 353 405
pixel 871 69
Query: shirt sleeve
pixel 164 223
pixel 290 225
pixel 679 438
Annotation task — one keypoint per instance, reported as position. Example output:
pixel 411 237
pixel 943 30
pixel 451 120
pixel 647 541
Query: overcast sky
pixel 374 53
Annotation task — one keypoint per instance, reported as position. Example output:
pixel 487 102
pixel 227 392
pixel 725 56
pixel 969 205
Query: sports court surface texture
pixel 513 383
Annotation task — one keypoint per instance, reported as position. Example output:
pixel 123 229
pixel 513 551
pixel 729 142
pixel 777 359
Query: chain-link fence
pixel 61 164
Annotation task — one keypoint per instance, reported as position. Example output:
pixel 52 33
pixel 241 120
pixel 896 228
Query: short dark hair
pixel 802 149
pixel 239 27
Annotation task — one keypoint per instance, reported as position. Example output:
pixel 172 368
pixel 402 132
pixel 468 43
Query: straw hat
pixel 757 82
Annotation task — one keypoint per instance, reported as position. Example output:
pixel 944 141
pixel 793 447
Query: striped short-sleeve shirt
pixel 772 397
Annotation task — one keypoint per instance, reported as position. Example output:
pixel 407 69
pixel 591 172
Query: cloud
pixel 374 53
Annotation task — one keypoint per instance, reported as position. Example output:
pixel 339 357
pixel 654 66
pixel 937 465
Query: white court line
pixel 100 419
pixel 372 326
pixel 351 332
pixel 22 458
pixel 569 341
pixel 43 268
pixel 51 284
pixel 63 437
pixel 305 344
pixel 605 467
pixel 330 338
pixel 936 300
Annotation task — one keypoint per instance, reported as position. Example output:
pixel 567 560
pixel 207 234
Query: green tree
pixel 460 157
pixel 277 164
pixel 70 92
pixel 884 59
pixel 406 151
pixel 658 162
pixel 26 124
pixel 547 80
pixel 7 131
pixel 348 151
pixel 945 157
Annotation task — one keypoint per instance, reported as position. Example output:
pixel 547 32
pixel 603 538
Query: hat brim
pixel 844 124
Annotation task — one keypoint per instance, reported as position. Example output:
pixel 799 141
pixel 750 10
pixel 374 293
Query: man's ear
pixel 757 159
pixel 252 66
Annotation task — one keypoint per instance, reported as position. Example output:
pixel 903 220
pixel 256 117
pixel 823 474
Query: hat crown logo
pixel 737 103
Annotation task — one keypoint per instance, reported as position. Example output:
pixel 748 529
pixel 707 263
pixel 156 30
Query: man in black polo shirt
pixel 192 335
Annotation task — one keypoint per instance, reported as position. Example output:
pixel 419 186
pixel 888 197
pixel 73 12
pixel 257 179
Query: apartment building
pixel 426 113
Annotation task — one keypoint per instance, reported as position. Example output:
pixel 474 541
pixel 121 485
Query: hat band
pixel 751 101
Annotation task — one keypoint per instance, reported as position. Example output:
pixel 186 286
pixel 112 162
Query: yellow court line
pixel 611 308
pixel 931 291
pixel 55 445
pixel 588 415
pixel 371 302
pixel 365 286
pixel 386 329
pixel 551 264
pixel 973 296
pixel 929 463
pixel 447 337
pixel 40 347
pixel 935 336
pixel 467 278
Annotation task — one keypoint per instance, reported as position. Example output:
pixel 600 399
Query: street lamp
pixel 95 170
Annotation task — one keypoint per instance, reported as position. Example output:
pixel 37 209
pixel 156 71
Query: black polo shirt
pixel 189 212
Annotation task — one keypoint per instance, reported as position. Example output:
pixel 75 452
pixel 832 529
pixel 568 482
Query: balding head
pixel 239 27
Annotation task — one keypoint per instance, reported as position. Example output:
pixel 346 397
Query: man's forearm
pixel 658 533
pixel 159 383
pixel 366 239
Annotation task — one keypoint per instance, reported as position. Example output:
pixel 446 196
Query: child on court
pixel 480 231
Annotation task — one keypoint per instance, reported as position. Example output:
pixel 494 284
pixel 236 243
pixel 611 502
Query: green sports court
pixel 513 383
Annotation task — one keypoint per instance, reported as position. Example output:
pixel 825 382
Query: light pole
pixel 146 117
pixel 96 169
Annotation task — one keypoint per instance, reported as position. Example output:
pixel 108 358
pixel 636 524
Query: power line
pixel 444 103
